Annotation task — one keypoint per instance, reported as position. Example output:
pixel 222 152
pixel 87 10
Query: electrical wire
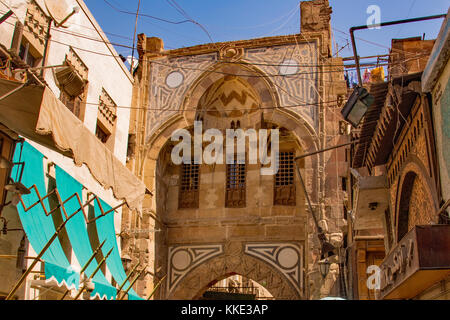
pixel 177 7
pixel 168 53
pixel 84 36
pixel 205 70
pixel 145 15
pixel 268 23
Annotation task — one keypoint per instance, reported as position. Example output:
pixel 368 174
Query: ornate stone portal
pixel 269 269
pixel 274 83
pixel 183 260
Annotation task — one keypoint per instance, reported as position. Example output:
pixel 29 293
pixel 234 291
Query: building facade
pixel 211 221
pixel 399 235
pixel 66 97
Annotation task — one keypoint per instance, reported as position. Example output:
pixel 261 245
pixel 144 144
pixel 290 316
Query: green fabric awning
pixel 38 226
pixel 106 231
pixel 78 234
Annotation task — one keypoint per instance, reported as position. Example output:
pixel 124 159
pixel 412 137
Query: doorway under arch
pixel 236 287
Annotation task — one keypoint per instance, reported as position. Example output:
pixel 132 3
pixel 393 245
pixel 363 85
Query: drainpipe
pixel 47 41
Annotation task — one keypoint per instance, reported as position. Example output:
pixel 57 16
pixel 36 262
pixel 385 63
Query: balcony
pixel 34 112
pixel 420 260
pixel 371 203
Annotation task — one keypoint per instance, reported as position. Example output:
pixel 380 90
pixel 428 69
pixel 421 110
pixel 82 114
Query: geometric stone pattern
pixel 293 90
pixel 286 258
pixel 297 89
pixel 281 74
pixel 184 259
pixel 234 261
pixel 422 211
pixel 167 100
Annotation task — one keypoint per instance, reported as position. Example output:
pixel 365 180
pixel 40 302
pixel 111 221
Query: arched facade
pixel 231 100
pixel 417 198
pixel 208 230
pixel 234 260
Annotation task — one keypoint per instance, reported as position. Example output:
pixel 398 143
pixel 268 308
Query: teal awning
pixel 106 231
pixel 39 227
pixel 78 235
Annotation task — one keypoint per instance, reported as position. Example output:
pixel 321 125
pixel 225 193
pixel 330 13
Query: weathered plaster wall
pixel 106 71
pixel 441 113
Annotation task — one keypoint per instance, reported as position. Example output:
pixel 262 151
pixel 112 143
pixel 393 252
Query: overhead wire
pixel 177 7
pixel 175 55
pixel 195 69
pixel 199 69
pixel 145 15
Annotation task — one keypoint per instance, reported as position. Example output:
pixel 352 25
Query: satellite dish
pixel 59 10
pixel 135 61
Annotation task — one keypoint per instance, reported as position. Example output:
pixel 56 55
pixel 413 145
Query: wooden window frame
pixel 236 190
pixel 102 134
pixel 7 146
pixel 75 104
pixel 284 180
pixel 189 189
pixel 107 119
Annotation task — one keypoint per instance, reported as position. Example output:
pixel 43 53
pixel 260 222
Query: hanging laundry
pixel 377 75
pixel 367 76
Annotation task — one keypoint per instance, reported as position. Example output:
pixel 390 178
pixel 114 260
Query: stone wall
pixel 301 89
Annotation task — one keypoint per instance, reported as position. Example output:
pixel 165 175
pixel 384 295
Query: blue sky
pixel 247 19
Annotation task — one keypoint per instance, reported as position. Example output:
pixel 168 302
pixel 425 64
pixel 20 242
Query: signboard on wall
pixel 418 261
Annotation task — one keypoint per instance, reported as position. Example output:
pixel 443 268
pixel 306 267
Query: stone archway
pixel 196 235
pixel 234 260
pixel 416 201
pixel 270 102
pixel 234 285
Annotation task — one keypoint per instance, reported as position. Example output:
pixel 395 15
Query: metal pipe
pixel 384 24
pixel 47 40
pixel 369 238
pixel 368 57
pixel 153 215
pixel 316 222
pixel 128 278
pixel 8 257
pixel 93 274
pixel 86 265
pixel 355 53
pixel 156 288
pixel 446 205
pixel 74 11
pixel 13 91
pixel 38 68
pixel 134 37
pixel 329 149
pixel 6 16
pixel 133 282
pixel 38 258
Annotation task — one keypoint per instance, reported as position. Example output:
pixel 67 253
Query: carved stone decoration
pixel 316 15
pixel 231 53
pixel 234 261
pixel 287 258
pixel 184 259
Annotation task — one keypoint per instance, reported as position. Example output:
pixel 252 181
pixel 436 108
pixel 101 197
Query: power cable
pixel 199 69
pixel 145 15
pixel 175 55
pixel 177 7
